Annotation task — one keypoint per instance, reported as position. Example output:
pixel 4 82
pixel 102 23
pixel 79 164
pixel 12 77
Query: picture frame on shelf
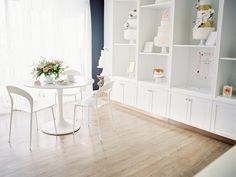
pixel 148 47
pixel 131 68
pixel 211 40
pixel 227 91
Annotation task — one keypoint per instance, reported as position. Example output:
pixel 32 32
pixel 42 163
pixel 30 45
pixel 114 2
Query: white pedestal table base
pixel 63 128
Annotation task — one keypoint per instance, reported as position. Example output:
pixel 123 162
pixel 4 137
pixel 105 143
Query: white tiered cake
pixel 130 26
pixel 204 24
pixel 163 35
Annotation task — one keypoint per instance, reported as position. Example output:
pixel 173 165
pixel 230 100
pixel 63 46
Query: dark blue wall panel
pixel 97 18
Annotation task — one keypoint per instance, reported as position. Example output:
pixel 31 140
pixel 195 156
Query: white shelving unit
pixel 154 54
pixel 194 46
pixel 162 5
pixel 228 59
pixel 191 92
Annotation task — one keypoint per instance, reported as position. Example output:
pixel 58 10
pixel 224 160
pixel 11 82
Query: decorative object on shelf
pixel 211 40
pixel 148 47
pixel 163 35
pixel 130 32
pixel 131 69
pixel 158 75
pixel 103 64
pixel 204 24
pixel 203 65
pixel 227 91
pixel 51 69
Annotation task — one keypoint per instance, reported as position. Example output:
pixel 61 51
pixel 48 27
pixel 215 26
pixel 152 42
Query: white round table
pixel 64 126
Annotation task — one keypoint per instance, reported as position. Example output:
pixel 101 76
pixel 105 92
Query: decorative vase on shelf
pixel 49 79
pixel 204 24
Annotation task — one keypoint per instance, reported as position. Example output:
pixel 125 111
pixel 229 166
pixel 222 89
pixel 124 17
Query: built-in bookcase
pixel 194 74
pixel 183 65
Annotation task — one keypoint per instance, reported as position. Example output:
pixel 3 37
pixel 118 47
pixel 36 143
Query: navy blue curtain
pixel 97 19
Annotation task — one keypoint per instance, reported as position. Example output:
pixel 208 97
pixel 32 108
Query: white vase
pixel 49 79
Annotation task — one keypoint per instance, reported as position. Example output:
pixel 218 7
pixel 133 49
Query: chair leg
pixel 31 121
pixel 36 120
pixel 112 117
pixel 81 94
pixel 54 119
pixel 9 140
pixel 74 119
pixel 99 124
pixel 75 98
pixel 82 112
pixel 88 116
pixel 55 99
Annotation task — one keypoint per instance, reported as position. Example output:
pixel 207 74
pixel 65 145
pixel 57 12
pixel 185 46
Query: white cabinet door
pixel 144 98
pixel 118 91
pixel 179 107
pixel 224 120
pixel 130 94
pixel 159 105
pixel 200 113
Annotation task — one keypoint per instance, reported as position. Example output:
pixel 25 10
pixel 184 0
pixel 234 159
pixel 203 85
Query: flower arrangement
pixel 48 68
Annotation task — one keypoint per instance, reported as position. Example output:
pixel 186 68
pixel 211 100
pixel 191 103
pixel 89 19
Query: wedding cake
pixel 163 33
pixel 204 22
pixel 102 63
pixel 130 26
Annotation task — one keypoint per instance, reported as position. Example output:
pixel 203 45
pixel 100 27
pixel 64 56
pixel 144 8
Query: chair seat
pixel 91 102
pixel 37 106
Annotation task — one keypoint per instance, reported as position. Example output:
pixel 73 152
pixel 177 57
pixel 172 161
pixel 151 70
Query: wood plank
pixel 134 144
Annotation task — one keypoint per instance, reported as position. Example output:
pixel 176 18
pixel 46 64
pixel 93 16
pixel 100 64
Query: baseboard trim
pixel 154 117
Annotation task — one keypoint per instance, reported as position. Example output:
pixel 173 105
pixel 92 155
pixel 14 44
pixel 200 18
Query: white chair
pixel 71 74
pixel 99 99
pixel 31 108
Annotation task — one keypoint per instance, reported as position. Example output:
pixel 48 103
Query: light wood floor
pixel 139 147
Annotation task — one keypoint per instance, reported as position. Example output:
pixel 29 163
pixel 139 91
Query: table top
pixel 78 83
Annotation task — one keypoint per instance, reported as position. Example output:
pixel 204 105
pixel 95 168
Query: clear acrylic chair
pixel 99 99
pixel 71 74
pixel 31 108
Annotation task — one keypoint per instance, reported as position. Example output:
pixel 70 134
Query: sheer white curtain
pixel 29 29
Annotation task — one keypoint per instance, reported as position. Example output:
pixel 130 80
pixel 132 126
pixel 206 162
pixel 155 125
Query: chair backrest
pixel 18 91
pixel 107 87
pixel 72 72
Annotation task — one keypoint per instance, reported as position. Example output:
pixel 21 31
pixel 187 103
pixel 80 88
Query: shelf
pixel 123 78
pixel 195 46
pixel 162 5
pixel 124 44
pixel 152 83
pixel 154 54
pixel 229 59
pixel 203 92
pixel 230 100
